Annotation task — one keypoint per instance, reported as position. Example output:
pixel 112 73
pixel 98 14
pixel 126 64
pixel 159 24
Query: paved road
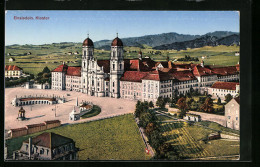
pixel 39 113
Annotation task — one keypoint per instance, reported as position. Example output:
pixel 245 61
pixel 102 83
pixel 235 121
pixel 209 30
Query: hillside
pixel 206 40
pixel 160 39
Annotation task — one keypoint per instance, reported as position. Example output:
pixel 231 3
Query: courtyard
pixel 42 112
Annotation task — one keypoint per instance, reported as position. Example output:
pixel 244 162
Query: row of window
pixel 184 82
pixel 223 90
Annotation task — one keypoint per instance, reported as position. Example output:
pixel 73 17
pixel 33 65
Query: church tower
pixel 116 67
pixel 87 55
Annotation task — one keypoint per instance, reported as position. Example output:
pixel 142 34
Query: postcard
pixel 122 85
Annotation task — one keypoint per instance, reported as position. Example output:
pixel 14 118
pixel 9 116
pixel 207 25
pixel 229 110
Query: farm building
pixel 11 59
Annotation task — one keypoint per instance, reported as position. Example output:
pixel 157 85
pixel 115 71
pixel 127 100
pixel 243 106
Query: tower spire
pixel 117 34
pixel 88 34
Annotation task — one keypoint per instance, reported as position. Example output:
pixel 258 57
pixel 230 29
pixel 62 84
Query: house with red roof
pixel 47 146
pixel 13 71
pixel 221 89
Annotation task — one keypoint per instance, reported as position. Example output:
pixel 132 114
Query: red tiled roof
pixel 134 64
pixel 225 70
pixel 105 64
pixel 238 67
pixel 18 129
pixel 50 140
pixel 37 98
pixel 157 76
pixel 12 68
pixel 185 75
pixel 35 125
pixel 117 42
pixel 202 71
pixel 182 66
pixel 88 42
pixel 74 71
pixel 61 68
pixel 225 85
pixel 52 121
pixel 146 64
pixel 133 76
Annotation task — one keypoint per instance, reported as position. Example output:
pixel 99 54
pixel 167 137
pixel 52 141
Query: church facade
pixel 138 79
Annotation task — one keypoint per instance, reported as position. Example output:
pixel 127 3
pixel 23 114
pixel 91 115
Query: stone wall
pixel 33 128
pixel 211 117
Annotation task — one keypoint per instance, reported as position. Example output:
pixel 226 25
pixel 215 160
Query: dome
pixel 117 42
pixel 88 42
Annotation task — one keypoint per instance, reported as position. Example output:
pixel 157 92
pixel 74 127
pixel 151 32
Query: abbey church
pixel 138 79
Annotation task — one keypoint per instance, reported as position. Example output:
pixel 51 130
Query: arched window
pixel 114 54
pixel 113 84
pixel 120 66
pixel 113 66
pixel 84 64
pixel 84 53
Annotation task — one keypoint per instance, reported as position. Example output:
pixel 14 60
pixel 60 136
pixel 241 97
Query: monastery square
pixel 38 113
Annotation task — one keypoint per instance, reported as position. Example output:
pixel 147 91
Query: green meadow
pixel 52 55
pixel 116 138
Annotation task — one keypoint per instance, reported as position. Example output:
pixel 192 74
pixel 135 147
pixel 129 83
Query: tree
pixel 181 103
pixel 188 102
pixel 150 128
pixel 46 70
pixel 228 97
pixel 151 105
pixel 160 102
pixel 219 101
pixel 207 106
pixel 166 100
pixel 156 139
pixel 46 75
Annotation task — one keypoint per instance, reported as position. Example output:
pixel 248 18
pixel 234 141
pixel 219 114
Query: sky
pixel 73 26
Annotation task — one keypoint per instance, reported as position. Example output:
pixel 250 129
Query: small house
pixel 192 117
pixel 11 59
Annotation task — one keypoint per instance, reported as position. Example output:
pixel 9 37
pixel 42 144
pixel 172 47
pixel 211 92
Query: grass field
pixel 95 111
pixel 187 140
pixel 52 55
pixel 116 138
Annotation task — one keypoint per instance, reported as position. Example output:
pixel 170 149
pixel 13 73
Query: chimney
pixel 30 147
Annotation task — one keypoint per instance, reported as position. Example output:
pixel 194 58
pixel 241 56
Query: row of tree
pixel 19 81
pixel 188 58
pixel 42 77
pixel 148 120
pixel 187 102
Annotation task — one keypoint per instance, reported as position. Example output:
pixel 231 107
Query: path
pixel 141 130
